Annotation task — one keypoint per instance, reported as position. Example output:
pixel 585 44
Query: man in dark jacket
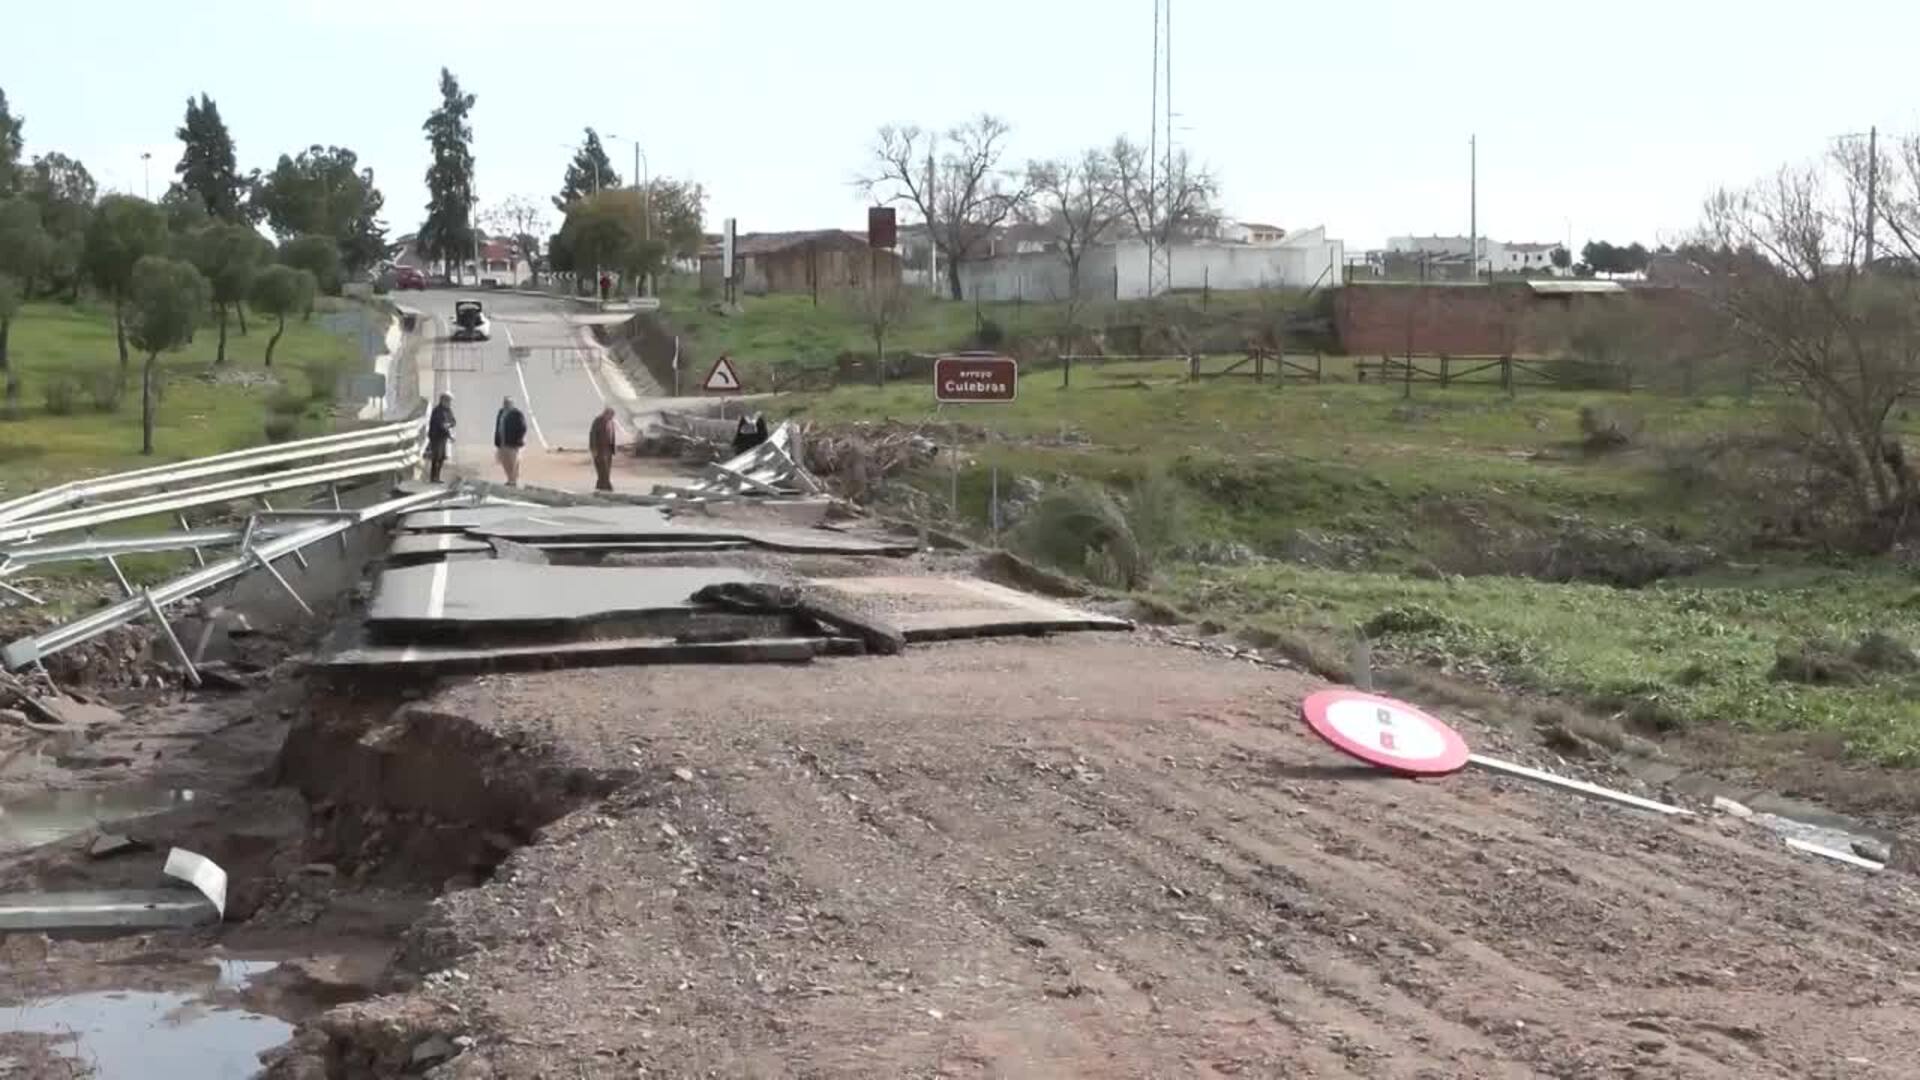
pixel 601 440
pixel 509 435
pixel 440 424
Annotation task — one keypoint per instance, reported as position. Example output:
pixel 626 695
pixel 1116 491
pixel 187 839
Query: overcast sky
pixel 1607 120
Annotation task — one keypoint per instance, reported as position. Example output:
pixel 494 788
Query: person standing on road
pixel 606 286
pixel 601 439
pixel 440 424
pixel 509 435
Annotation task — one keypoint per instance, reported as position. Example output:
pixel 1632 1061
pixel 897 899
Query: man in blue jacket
pixel 509 435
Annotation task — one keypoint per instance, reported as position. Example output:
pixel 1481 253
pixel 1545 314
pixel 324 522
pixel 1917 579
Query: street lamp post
pixel 146 174
pixel 642 168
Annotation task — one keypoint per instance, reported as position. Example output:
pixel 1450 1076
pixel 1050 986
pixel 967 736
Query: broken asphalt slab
pixel 626 525
pixel 506 592
pixel 945 608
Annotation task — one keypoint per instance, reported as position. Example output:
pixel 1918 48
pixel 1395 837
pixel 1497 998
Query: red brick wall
pixel 1494 320
pixel 1432 320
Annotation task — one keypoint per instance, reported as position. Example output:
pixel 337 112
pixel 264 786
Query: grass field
pixel 203 410
pixel 782 329
pixel 1432 519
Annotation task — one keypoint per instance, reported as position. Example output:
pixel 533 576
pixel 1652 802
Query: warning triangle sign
pixel 723 379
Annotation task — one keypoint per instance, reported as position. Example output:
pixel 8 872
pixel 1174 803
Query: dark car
pixel 469 322
pixel 408 277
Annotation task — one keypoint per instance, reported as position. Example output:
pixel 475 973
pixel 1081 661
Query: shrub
pixel 105 390
pixel 62 394
pixel 321 380
pixel 1603 429
pixel 280 428
pixel 1082 530
pixel 989 335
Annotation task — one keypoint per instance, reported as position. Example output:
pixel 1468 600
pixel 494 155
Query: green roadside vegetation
pixel 1583 546
pixel 76 418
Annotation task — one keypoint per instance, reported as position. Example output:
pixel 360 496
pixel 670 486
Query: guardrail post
pixel 199 557
pixel 173 639
pixel 267 565
pixel 125 585
pixel 297 557
pixel 23 594
pixel 333 492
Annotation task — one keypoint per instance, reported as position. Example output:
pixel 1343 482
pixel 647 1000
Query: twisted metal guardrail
pixel 169 492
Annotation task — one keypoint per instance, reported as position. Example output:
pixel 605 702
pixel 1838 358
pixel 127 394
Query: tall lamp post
pixel 642 168
pixel 146 173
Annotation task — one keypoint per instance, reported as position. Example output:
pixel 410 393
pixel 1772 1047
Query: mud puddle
pixel 44 817
pixel 199 1029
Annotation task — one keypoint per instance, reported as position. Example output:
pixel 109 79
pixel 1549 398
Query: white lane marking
pixel 437 591
pixel 520 372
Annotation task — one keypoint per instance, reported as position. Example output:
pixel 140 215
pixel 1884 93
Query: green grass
pixel 1680 654
pixel 196 416
pixel 1267 460
pixel 1407 486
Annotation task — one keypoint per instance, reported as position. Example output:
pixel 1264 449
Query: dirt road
pixel 1077 857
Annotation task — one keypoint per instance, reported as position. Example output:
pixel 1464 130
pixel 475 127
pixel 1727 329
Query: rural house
pixel 829 260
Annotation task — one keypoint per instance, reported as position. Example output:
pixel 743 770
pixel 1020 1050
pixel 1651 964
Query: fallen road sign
pixel 722 379
pixel 991 379
pixel 1384 732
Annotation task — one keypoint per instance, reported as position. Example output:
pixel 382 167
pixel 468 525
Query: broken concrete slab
pixel 879 635
pixel 408 549
pixel 451 659
pixel 942 608
pixel 623 525
pixel 124 909
pixel 498 592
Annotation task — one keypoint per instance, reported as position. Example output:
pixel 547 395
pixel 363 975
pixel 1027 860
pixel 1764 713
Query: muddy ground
pixel 1080 857
pixel 1095 855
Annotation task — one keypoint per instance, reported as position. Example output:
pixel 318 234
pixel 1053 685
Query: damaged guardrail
pixel 770 469
pixel 27 524
pixel 255 553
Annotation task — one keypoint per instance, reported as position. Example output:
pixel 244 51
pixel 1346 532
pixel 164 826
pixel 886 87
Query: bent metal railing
pixel 40 529
pixel 169 492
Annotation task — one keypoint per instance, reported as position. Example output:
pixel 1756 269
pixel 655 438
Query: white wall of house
pixel 1300 261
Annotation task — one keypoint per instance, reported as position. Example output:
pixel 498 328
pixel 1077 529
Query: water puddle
pixel 47 816
pixel 139 1034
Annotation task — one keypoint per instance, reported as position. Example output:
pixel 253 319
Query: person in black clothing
pixel 743 436
pixel 440 425
pixel 509 435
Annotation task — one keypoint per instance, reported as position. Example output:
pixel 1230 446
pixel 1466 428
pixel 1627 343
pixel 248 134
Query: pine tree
pixel 590 171
pixel 207 170
pixel 447 232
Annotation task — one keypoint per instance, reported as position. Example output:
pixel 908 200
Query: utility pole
pixel 933 249
pixel 1473 205
pixel 1172 195
pixel 1873 186
pixel 1153 143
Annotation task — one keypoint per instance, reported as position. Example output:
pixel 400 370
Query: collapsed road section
pixel 721 788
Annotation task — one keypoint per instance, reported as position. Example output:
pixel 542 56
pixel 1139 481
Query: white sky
pixel 1608 120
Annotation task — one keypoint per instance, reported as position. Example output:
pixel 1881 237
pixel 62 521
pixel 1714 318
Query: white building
pixel 1495 256
pixel 1120 271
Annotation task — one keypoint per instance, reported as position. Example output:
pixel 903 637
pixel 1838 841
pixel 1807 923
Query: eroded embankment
pixel 405 794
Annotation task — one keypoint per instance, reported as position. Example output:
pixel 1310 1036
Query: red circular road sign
pixel 1381 731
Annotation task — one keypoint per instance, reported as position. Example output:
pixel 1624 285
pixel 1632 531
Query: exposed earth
pixel 1086 856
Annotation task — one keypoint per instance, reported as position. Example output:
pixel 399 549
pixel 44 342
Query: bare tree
pixel 883 305
pixel 963 196
pixel 1162 201
pixel 523 221
pixel 1785 265
pixel 1077 203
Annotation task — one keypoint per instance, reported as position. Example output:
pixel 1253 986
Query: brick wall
pixel 1433 320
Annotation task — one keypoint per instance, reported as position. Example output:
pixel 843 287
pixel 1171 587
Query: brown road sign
pixel 986 378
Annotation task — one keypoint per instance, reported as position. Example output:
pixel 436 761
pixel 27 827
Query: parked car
pixel 408 277
pixel 469 322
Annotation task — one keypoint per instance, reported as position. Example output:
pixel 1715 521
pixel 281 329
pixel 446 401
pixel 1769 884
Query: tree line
pixel 964 190
pixel 194 256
